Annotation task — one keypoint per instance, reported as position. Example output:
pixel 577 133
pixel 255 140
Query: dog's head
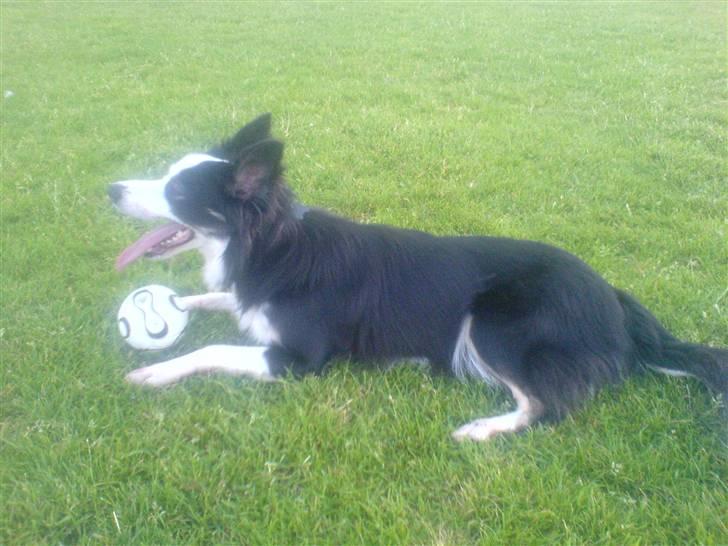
pixel 229 192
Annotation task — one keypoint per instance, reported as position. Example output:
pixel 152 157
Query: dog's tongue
pixel 145 243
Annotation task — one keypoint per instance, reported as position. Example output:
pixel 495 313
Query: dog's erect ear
pixel 254 132
pixel 258 167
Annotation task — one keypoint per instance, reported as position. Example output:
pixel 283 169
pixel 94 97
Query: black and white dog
pixel 310 287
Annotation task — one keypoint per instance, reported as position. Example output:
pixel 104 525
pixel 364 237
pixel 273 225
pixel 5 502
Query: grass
pixel 600 127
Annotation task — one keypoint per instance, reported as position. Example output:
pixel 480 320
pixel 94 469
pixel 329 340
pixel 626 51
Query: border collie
pixel 310 287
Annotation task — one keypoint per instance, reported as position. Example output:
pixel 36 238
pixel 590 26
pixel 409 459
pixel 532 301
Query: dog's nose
pixel 116 191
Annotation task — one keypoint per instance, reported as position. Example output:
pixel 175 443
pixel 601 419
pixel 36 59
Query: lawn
pixel 599 127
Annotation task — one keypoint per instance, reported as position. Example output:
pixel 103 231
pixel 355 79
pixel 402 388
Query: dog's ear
pixel 258 167
pixel 254 132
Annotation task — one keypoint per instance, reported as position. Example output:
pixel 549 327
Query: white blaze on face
pixel 189 161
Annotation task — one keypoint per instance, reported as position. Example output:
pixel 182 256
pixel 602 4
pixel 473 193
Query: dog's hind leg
pixel 467 361
pixel 546 381
pixel 528 410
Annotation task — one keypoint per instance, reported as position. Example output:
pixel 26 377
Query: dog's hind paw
pixel 481 430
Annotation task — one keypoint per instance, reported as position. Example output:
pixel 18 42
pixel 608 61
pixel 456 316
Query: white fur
pixel 144 199
pixel 466 361
pixel 256 323
pixel 228 359
pixel 668 371
pixel 485 429
pixel 189 161
pixel 253 320
pixel 212 249
pixel 212 301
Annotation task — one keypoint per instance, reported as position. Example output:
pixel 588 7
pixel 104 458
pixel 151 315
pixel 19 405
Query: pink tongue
pixel 145 242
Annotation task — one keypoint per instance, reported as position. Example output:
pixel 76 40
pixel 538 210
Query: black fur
pixel 542 319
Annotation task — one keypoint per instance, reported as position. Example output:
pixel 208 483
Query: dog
pixel 310 287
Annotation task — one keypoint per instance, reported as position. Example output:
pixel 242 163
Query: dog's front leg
pixel 230 359
pixel 212 301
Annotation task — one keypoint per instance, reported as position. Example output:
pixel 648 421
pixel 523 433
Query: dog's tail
pixel 655 348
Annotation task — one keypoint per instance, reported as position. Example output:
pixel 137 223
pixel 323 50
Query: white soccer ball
pixel 152 318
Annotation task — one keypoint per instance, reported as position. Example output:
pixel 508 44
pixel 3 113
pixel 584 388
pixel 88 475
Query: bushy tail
pixel 654 347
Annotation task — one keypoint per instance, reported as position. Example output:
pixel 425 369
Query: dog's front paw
pixel 158 375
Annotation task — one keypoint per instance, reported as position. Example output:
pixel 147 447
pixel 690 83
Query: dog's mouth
pixel 158 243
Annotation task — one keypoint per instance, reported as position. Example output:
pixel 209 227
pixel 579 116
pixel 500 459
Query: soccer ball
pixel 152 318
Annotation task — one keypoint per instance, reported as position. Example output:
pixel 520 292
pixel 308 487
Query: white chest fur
pixel 255 322
pixel 214 270
pixel 252 320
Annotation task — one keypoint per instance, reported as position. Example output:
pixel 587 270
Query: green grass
pixel 600 127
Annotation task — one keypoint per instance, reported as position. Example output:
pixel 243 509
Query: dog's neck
pixel 213 250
